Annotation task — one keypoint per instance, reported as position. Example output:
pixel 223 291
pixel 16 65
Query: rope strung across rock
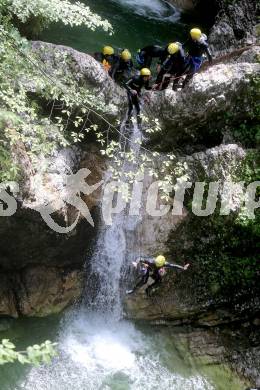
pixel 54 82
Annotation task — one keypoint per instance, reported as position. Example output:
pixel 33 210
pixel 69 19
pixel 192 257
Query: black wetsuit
pixel 149 52
pixel 148 268
pixel 175 65
pixel 121 70
pixel 196 49
pixel 136 83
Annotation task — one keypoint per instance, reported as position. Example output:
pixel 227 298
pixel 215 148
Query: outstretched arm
pixel 183 268
pixel 142 259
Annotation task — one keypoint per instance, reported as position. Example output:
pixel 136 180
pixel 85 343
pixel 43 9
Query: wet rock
pixel 198 114
pixel 7 298
pixel 39 290
pixel 85 70
pixel 40 258
pixel 43 291
pixel 184 297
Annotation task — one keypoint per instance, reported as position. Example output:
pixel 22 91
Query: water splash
pixel 152 9
pixel 100 355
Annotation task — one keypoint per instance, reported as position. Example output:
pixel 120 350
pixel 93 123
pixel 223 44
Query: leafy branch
pixel 35 354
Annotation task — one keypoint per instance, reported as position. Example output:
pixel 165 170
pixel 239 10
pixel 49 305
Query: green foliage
pixel 22 125
pixel 224 255
pixel 250 171
pixel 54 107
pixel 48 11
pixel 248 132
pixel 35 354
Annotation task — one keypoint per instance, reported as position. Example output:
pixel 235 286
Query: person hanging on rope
pixel 173 67
pixel 197 46
pixel 156 268
pixel 134 87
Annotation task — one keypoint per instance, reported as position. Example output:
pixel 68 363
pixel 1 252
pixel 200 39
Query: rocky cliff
pixel 217 100
pixel 207 99
pixel 41 271
pixel 234 24
pixel 211 128
pixel 231 22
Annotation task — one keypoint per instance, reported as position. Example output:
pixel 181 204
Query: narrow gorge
pixel 200 329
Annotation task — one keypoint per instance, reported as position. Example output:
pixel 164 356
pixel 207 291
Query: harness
pixel 107 66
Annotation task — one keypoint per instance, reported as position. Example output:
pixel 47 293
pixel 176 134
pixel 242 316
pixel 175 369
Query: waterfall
pixel 98 349
pixel 113 253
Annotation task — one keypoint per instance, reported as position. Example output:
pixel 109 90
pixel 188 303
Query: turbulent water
pixel 136 23
pixel 154 9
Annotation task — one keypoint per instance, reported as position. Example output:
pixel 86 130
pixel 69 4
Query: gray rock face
pixel 41 270
pixel 234 24
pixel 86 71
pixel 37 252
pixel 39 290
pixel 197 115
pixel 250 56
pixel 178 300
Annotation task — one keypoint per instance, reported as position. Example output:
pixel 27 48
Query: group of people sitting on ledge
pixel 173 64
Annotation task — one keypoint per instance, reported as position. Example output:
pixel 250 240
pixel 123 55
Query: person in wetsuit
pixel 107 58
pixel 155 268
pixel 122 67
pixel 134 87
pixel 174 66
pixel 197 46
pixel 146 55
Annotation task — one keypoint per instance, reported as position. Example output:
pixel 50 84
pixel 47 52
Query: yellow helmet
pixel 145 72
pixel 195 33
pixel 108 51
pixel 126 55
pixel 173 48
pixel 160 261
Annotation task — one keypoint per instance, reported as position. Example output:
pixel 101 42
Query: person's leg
pixel 176 79
pixel 194 67
pixel 160 76
pixel 166 82
pixel 143 280
pixel 130 107
pixel 188 78
pixel 157 280
pixel 138 110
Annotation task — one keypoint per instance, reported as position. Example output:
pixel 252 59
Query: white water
pixel 154 9
pixel 110 356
